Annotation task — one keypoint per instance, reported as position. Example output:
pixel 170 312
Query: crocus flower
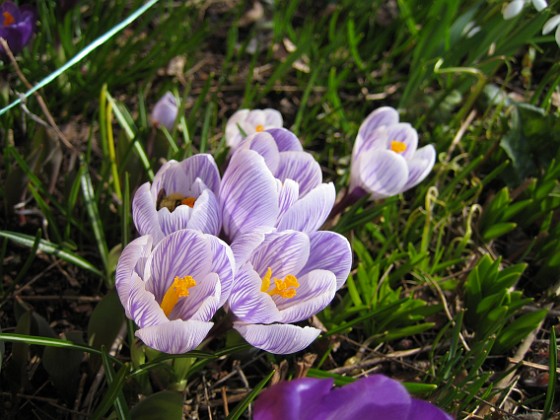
pixel 173 290
pixel 246 122
pixel 295 197
pixel 374 397
pixel 165 111
pixel 285 278
pixel 550 25
pixel 513 8
pixel 182 195
pixel 385 158
pixel 17 25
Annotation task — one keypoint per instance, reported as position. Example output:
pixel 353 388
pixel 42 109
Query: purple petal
pixel 382 173
pixel 330 251
pixel 285 139
pixel 134 255
pixel 404 133
pixel 302 168
pixel 175 337
pixel 205 215
pixel 223 264
pixel 248 194
pixel 202 302
pixel 277 338
pixel 248 303
pixel 165 111
pixel 287 400
pixel 183 253
pixel 420 166
pixel 376 396
pixel 381 117
pixel 144 213
pixel 142 305
pixel 309 213
pixel 283 252
pixel 423 410
pixel 317 289
pixel 172 221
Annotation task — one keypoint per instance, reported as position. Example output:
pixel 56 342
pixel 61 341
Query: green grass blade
pixel 552 375
pixel 242 406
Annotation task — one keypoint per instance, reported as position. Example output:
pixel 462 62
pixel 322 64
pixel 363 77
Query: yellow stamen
pixel 8 19
pixel 398 146
pixel 178 289
pixel 259 128
pixel 284 288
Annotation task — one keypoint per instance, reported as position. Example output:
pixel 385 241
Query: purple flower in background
pixel 246 122
pixel 183 195
pixel 173 290
pixel 286 277
pixel 295 198
pixel 165 111
pixel 374 397
pixel 17 25
pixel 385 158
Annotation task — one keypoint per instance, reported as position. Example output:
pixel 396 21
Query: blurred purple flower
pixel 183 195
pixel 385 158
pixel 284 278
pixel 17 25
pixel 246 122
pixel 165 111
pixel 272 182
pixel 374 397
pixel 173 290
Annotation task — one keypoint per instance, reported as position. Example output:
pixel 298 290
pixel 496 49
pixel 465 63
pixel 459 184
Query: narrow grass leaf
pixel 242 406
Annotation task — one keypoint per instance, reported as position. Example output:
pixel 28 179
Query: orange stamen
pixel 178 289
pixel 188 201
pixel 8 19
pixel 398 146
pixel 284 288
pixel 259 128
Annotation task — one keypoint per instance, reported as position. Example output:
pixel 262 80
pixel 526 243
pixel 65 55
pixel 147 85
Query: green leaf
pixel 497 230
pixel 518 330
pixel 53 249
pixel 552 374
pixel 161 405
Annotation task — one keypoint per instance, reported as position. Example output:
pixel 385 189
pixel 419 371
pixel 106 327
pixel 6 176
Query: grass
pixel 454 285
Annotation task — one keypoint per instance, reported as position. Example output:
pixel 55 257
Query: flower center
pixel 398 146
pixel 259 128
pixel 178 289
pixel 8 19
pixel 174 200
pixel 284 288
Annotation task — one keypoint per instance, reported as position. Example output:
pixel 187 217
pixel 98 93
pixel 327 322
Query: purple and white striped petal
pixel 142 305
pixel 302 168
pixel 203 300
pixel 404 133
pixel 277 338
pixel 248 303
pixel 420 166
pixel 144 213
pixel 165 111
pixel 285 139
pixel 175 337
pixel 171 178
pixel 316 290
pixel 248 194
pixel 132 259
pixel 223 264
pixel 309 213
pixel 264 144
pixel 245 243
pixel 384 116
pixel 202 166
pixel 382 173
pixel 330 251
pixel 183 253
pixel 283 252
pixel 205 215
pixel 288 194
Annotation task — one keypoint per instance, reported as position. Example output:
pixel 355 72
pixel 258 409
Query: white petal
pixel 175 337
pixel 420 166
pixel 550 24
pixel 513 9
pixel 144 213
pixel 381 117
pixel 302 168
pixel 540 5
pixel 383 173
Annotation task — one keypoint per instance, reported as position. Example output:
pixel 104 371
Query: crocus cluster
pixel 17 25
pixel 374 397
pixel 249 240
